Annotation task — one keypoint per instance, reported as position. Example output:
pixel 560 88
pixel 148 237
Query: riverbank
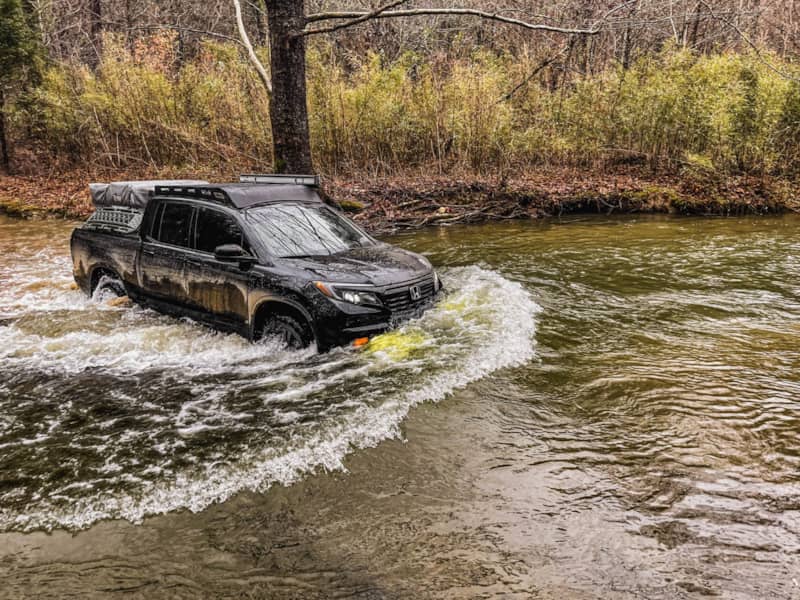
pixel 417 200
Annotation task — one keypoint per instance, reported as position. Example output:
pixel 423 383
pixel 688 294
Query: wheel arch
pixel 283 306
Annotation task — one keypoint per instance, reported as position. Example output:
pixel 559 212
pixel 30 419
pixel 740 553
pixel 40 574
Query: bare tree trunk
pixel 695 27
pixel 130 24
pixel 95 32
pixel 5 156
pixel 627 39
pixel 288 110
pixel 255 9
pixel 627 46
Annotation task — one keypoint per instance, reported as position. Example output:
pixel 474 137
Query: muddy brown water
pixel 600 408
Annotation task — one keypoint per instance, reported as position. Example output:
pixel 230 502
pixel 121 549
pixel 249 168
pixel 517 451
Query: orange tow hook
pixel 359 342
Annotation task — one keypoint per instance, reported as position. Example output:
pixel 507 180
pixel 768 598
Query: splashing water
pixel 122 413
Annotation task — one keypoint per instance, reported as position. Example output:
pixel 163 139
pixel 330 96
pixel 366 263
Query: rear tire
pixel 287 331
pixel 108 285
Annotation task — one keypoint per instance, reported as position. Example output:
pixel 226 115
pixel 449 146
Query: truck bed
pixel 96 249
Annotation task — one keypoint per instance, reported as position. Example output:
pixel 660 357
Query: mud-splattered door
pixel 162 262
pixel 214 286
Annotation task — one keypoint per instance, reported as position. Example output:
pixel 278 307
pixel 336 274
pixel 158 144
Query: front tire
pixel 287 331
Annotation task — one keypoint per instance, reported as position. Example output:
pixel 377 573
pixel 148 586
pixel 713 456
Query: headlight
pixel 360 297
pixel 350 295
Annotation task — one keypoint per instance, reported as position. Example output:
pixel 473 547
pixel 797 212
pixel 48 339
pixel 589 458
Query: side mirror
pixel 233 253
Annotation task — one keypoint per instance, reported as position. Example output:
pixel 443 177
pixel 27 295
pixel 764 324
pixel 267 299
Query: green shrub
pixel 787 134
pixel 138 109
pixel 720 113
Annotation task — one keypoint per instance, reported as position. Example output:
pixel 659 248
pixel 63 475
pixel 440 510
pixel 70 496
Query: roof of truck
pixel 252 190
pixel 243 195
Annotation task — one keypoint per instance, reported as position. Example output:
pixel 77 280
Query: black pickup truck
pixel 265 257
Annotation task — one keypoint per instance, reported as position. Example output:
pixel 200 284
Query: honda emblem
pixel 415 292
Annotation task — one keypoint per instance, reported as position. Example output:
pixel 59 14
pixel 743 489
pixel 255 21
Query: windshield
pixel 295 230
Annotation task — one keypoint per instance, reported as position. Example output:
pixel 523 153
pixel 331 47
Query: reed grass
pixel 726 113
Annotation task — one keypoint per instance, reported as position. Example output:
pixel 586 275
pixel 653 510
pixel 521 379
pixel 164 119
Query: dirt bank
pixel 418 200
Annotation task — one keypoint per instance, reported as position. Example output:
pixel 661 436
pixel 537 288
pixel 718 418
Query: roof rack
pixel 116 218
pixel 309 180
pixel 213 194
pixel 132 194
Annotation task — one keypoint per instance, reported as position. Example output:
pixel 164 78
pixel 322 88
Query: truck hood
pixel 378 265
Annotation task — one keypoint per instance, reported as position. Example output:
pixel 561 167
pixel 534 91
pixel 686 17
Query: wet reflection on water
pixel 647 448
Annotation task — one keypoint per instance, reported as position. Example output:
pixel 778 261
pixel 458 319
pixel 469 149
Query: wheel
pixel 108 286
pixel 287 331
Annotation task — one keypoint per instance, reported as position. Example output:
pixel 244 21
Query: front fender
pixel 259 298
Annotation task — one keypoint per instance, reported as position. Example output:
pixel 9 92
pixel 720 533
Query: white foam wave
pixel 486 323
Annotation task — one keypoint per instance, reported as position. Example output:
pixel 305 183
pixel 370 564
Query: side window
pixel 176 220
pixel 215 228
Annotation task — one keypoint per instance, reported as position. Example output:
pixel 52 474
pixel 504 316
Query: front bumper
pixel 347 322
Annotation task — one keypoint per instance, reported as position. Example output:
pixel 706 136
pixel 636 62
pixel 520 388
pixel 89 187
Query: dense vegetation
pixel 698 102
pixel 20 62
pixel 721 113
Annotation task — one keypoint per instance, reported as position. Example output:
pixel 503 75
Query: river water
pixel 599 408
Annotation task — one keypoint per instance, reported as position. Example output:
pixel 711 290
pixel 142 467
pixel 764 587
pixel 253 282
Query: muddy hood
pixel 377 265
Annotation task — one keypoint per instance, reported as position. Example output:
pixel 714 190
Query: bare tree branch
pixel 256 8
pixel 748 41
pixel 251 54
pixel 542 65
pixel 361 16
pixel 364 17
pixel 203 32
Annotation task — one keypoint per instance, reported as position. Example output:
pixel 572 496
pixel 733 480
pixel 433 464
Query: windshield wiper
pixel 306 255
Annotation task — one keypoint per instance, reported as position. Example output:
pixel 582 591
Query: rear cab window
pixel 172 224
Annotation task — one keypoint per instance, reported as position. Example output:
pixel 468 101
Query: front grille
pixel 399 299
